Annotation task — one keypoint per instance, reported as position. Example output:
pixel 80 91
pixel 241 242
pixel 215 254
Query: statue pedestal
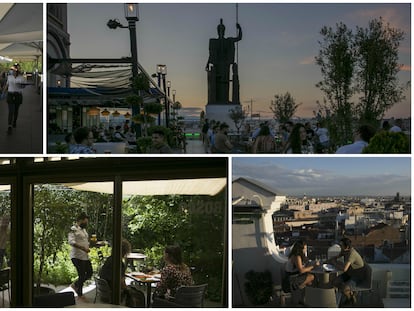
pixel 221 113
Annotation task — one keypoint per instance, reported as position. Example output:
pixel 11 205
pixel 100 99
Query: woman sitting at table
pixel 174 275
pixel 133 296
pixel 299 274
pixel 354 269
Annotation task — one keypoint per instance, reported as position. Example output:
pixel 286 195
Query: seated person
pixel 133 296
pixel 174 275
pixel 354 269
pixel 117 135
pixel 299 275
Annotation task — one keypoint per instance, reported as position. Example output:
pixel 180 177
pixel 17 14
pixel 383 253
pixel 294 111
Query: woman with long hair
pixel 175 273
pixel 299 274
pixel 265 142
pixel 298 141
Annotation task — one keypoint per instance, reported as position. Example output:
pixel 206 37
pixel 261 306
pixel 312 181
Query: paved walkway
pixel 194 146
pixel 27 137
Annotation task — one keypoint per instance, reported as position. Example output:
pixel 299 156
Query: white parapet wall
pixel 269 230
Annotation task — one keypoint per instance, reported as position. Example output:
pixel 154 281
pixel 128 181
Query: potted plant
pixel 258 287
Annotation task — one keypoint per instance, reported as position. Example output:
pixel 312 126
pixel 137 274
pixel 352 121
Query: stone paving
pixel 27 137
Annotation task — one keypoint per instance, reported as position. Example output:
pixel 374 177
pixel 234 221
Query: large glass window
pixel 5 247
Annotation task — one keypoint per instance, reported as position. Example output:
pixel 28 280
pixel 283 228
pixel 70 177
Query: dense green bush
pixel 387 142
pixel 59 267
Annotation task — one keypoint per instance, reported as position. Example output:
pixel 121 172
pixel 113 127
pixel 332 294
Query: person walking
pixel 14 87
pixel 78 239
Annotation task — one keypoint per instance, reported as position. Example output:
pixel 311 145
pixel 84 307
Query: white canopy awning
pixel 21 30
pixel 201 186
pixel 4 187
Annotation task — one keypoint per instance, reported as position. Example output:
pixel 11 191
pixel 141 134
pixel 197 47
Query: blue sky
pixel 276 53
pixel 329 175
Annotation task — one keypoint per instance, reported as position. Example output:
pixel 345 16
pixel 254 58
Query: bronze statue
pixel 218 67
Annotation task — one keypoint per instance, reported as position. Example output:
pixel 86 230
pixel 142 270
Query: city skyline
pixel 329 176
pixel 276 54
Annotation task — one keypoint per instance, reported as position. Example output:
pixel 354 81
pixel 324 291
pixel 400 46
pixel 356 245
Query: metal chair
pixel 5 282
pixel 320 297
pixel 366 284
pixel 185 297
pixel 283 295
pixel 102 290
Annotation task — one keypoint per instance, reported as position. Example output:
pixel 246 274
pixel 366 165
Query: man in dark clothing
pixel 134 297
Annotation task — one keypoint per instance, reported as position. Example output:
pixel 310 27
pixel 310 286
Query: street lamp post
pixel 162 70
pixel 168 94
pixel 132 16
pixel 175 110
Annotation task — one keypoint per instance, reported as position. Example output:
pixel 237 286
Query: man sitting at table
pixel 133 296
pixel 354 270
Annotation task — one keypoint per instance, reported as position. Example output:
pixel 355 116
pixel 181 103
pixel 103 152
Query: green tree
pixel 377 68
pixel 283 107
pixel 336 61
pixel 53 210
pixel 385 142
pixel 194 222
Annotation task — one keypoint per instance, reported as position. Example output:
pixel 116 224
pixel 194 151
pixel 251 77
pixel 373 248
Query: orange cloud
pixel 389 15
pixel 405 68
pixel 308 60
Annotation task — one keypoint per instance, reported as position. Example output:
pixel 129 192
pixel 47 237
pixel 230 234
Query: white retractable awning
pixel 201 186
pixel 21 30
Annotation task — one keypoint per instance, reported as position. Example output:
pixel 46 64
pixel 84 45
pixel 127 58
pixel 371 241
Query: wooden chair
pixel 58 300
pixel 102 290
pixel 5 282
pixel 185 297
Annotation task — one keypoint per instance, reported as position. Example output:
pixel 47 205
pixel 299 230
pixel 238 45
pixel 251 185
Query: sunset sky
pixel 276 54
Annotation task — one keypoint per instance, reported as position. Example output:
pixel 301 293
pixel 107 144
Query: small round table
pixel 131 257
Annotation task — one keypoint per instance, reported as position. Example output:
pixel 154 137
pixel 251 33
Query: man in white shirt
pixel 362 136
pixel 14 87
pixel 79 240
pixel 397 126
pixel 324 140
